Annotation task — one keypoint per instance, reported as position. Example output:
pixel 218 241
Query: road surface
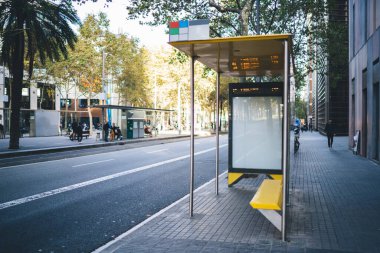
pixel 77 204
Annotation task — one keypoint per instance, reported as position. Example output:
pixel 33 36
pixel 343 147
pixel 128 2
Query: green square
pixel 174 31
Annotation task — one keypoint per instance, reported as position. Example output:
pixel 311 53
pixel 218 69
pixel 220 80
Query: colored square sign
pixel 189 30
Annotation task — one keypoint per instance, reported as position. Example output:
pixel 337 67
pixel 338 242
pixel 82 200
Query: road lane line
pixel 84 164
pixel 94 181
pixel 156 151
pixel 122 236
pixel 69 158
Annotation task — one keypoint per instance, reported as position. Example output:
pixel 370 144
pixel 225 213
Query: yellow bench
pixel 268 200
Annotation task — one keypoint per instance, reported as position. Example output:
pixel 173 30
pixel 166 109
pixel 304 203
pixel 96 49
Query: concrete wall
pixel 364 27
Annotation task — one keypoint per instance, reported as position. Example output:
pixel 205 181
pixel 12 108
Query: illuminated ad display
pixel 256 126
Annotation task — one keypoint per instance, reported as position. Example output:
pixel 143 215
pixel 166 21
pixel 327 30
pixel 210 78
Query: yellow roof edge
pixel 232 39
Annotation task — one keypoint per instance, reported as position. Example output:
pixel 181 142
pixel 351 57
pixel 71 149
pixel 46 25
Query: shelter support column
pixel 217 134
pixel 285 139
pixel 191 195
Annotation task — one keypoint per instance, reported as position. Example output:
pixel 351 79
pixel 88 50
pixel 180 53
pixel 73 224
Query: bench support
pixel 273 216
pixel 233 178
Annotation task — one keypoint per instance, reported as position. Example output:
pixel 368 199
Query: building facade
pixel 364 75
pixel 42 100
pixel 331 85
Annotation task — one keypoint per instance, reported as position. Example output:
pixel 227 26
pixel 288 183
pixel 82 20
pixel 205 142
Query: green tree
pixel 300 108
pixel 306 20
pixel 127 65
pixel 28 27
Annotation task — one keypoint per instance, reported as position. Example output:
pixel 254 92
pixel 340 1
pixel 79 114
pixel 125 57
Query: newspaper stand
pixel 259 111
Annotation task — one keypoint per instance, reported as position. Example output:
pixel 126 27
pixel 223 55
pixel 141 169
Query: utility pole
pixel 103 76
pixel 179 109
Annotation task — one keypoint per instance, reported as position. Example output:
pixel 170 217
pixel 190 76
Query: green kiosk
pixel 258 114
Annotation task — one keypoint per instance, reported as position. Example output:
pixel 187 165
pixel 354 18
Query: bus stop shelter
pixel 260 57
pixel 127 113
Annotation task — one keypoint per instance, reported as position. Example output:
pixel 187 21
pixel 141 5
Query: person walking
pixel 74 127
pixel 330 132
pixel 311 127
pixel 106 128
pixel 80 132
pixel 112 134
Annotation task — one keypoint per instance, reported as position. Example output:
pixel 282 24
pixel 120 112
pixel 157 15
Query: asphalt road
pixel 77 204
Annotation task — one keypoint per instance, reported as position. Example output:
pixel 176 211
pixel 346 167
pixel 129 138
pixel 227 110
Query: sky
pixel 151 37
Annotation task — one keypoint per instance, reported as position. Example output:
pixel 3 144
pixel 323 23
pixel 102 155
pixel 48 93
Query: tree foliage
pixel 28 27
pixel 307 20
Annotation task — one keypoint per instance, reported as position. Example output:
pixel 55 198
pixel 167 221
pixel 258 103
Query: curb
pixel 10 154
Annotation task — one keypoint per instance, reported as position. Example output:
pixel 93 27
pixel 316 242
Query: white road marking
pixel 94 181
pixel 53 161
pixel 84 164
pixel 156 151
pixel 120 237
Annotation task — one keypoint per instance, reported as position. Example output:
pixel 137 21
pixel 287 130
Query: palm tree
pixel 29 28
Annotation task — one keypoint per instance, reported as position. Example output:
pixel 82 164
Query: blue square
pixel 183 23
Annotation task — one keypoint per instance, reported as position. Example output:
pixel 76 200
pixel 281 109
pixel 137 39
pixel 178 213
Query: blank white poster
pixel 257 133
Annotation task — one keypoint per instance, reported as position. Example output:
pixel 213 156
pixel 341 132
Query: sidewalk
pixel 39 145
pixel 335 207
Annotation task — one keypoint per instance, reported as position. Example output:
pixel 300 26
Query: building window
pixel 83 103
pixel 374 16
pixel 94 102
pixel 365 21
pixel 64 102
pixel 353 36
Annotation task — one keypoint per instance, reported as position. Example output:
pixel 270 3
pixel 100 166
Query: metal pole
pixel 217 134
pixel 103 76
pixel 192 137
pixel 285 141
pixel 179 109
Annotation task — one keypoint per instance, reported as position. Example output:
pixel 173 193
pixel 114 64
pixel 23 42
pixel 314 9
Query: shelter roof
pixel 259 55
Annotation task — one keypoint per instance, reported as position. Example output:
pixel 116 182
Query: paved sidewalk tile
pixel 335 207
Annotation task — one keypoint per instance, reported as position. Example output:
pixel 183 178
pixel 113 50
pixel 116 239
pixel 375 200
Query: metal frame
pixel 205 50
pixel 285 136
pixel 191 195
pixel 217 134
pixel 230 124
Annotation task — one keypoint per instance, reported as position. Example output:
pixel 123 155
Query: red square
pixel 174 24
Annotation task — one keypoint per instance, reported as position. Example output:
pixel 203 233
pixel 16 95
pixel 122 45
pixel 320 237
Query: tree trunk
pixel 89 113
pixel 245 13
pixel 18 74
pixel 66 109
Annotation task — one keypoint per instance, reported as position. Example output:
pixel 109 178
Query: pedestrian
pixel 330 132
pixel 80 132
pixel 2 132
pixel 113 132
pixel 118 134
pixel 106 128
pixel 74 127
pixel 311 126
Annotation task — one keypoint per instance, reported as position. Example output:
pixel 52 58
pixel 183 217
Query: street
pixel 80 203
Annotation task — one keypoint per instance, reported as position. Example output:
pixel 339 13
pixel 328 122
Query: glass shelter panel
pixel 257 133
